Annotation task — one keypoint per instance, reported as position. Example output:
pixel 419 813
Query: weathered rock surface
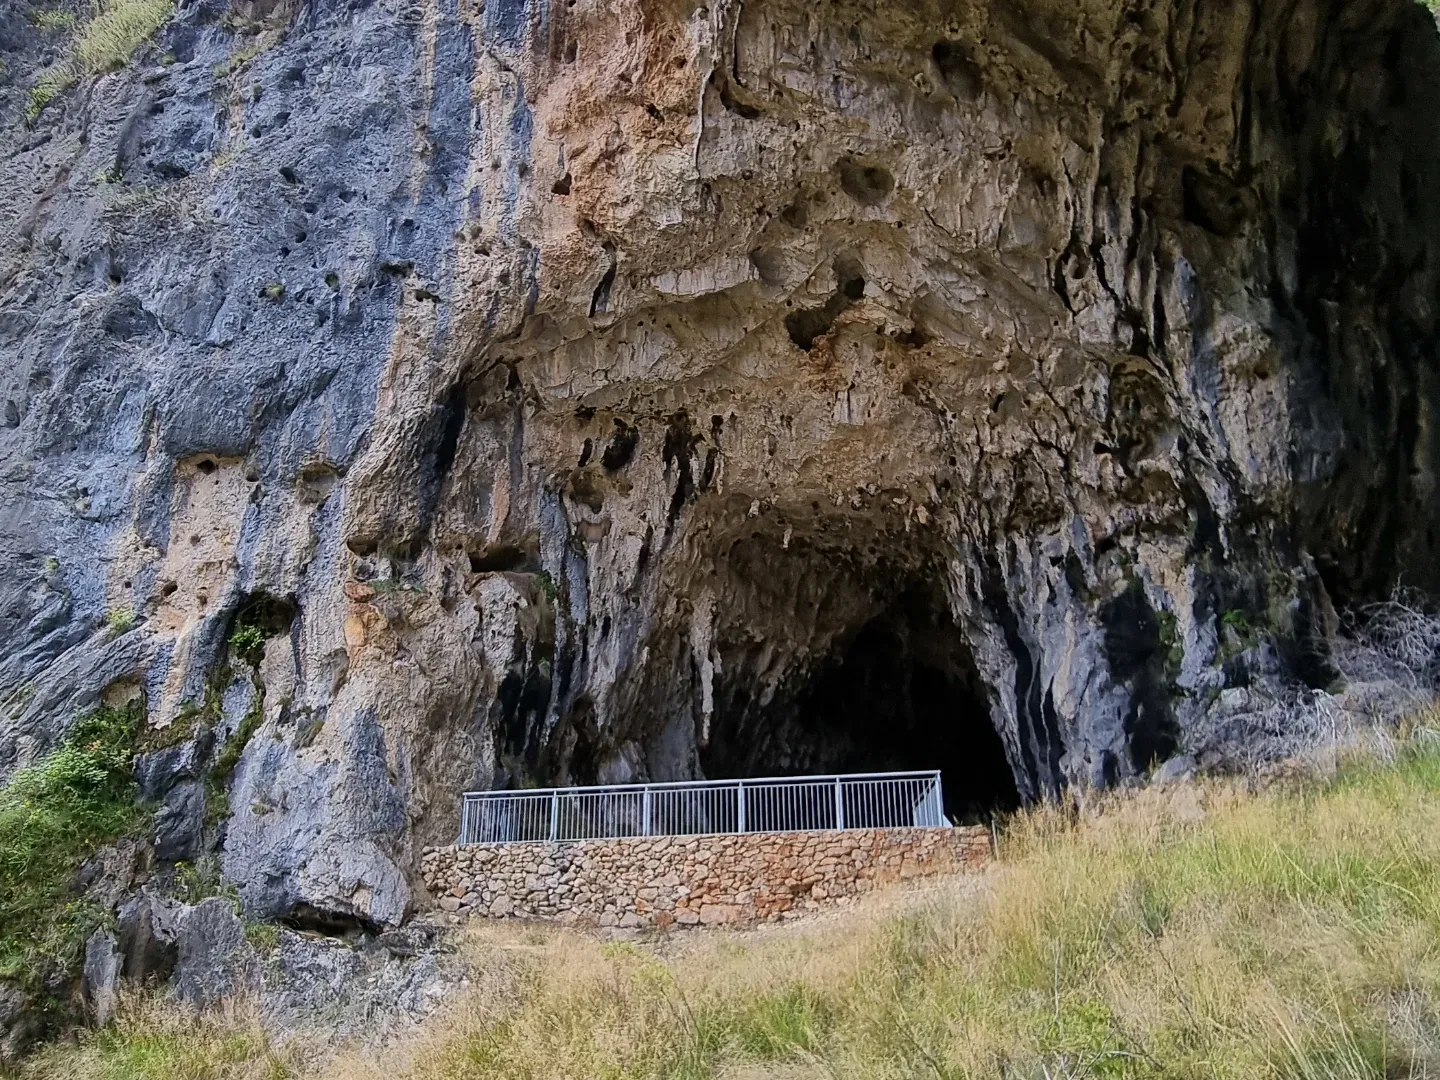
pixel 613 390
pixel 103 964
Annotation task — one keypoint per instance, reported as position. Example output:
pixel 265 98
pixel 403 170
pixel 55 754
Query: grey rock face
pixel 214 961
pixel 103 961
pixel 368 993
pixel 146 930
pixel 587 393
pixel 20 1023
pixel 180 823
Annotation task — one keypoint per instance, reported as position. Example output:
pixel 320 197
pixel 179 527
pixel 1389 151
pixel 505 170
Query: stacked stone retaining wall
pixel 691 880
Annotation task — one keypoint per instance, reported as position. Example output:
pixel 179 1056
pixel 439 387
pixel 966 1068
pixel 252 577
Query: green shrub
pixel 54 816
pixel 248 643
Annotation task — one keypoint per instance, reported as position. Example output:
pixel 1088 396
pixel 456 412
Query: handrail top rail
pixel 680 785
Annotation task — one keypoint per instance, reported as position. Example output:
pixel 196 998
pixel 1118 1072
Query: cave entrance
pixel 899 691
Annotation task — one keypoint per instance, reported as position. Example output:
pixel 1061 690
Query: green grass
pixel 104 42
pixel 47 19
pixel 1214 931
pixel 164 1042
pixel 53 817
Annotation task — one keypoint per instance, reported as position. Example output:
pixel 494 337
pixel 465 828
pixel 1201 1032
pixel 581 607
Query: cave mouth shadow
pixel 898 692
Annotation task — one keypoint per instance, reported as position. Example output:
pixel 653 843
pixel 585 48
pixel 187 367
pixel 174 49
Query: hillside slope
pixel 1222 929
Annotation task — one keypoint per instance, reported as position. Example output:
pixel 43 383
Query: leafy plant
pixel 1236 632
pixel 53 817
pixel 248 643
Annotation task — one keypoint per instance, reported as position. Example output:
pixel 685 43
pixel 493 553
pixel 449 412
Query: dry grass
pixel 1210 930
pixel 153 1039
pixel 1388 659
pixel 116 30
pixel 105 42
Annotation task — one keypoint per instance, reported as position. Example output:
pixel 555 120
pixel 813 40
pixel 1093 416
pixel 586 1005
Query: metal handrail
pixel 752 805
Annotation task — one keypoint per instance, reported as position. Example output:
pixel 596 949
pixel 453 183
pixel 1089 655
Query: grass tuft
pixel 116 30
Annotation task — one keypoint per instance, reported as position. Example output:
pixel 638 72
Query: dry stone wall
pixel 688 881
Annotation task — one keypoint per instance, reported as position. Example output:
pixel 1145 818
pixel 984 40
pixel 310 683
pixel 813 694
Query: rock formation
pixel 407 396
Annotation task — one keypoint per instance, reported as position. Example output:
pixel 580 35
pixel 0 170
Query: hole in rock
pixel 959 73
pixel 892 686
pixel 328 923
pixel 271 615
pixel 866 182
pixel 503 557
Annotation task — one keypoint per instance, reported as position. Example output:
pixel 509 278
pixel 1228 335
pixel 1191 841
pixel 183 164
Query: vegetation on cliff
pixel 1220 929
pixel 104 42
pixel 53 817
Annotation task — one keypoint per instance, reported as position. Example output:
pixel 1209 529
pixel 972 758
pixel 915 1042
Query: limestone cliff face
pixel 597 390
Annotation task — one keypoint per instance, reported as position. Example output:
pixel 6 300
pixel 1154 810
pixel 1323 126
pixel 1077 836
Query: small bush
pixel 53 817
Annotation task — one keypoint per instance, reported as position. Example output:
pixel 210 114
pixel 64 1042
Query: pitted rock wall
pixel 606 392
pixel 688 881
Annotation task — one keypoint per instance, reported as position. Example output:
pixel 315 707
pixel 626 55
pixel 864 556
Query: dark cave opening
pixel 898 692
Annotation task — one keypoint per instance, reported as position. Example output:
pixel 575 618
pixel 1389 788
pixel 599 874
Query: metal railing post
pixel 645 811
pixel 740 806
pixel 839 805
pixel 554 815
